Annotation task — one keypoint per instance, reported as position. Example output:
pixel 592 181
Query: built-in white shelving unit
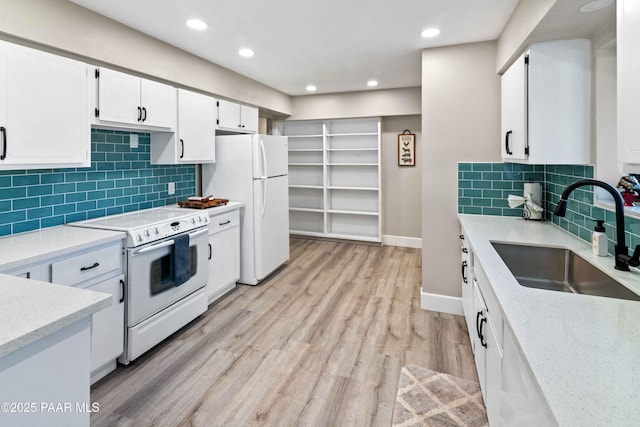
pixel 334 178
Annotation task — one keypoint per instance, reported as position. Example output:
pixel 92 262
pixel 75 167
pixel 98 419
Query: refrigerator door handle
pixel 264 158
pixel 264 196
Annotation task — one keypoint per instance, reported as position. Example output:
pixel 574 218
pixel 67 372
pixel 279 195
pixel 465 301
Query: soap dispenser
pixel 599 239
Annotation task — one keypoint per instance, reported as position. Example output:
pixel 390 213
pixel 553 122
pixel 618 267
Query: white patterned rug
pixel 434 399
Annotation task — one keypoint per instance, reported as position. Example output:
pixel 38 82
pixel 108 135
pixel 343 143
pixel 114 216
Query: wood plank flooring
pixel 320 343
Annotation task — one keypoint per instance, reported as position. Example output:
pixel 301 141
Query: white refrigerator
pixel 253 169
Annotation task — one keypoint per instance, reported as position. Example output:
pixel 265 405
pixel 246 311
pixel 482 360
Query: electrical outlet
pixel 133 140
pixel 172 188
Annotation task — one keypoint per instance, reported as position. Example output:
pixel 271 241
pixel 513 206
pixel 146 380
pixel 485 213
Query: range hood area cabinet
pixel 237 118
pixel 194 141
pixel 44 110
pixel 546 104
pixel 628 81
pixel 126 101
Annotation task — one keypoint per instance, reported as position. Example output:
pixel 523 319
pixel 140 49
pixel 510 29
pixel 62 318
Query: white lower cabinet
pixel 484 323
pixel 508 389
pixel 107 329
pixel 466 270
pixel 99 269
pixel 521 403
pixel 224 254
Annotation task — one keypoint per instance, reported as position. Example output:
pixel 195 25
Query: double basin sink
pixel 559 269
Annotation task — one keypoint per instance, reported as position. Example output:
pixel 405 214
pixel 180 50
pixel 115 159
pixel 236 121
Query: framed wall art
pixel 406 148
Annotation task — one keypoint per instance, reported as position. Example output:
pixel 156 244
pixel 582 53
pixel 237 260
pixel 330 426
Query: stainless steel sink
pixel 559 269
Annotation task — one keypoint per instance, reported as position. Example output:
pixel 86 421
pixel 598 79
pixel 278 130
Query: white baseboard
pixel 441 303
pixel 405 242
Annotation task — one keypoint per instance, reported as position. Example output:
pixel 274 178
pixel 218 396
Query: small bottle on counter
pixel 599 239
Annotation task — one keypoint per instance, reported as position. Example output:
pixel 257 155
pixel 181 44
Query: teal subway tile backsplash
pixel 554 179
pixel 120 179
pixel 483 188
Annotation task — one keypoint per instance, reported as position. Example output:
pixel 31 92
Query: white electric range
pixel 166 272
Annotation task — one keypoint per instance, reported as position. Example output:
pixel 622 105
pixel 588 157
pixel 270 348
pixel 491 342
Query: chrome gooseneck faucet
pixel 623 260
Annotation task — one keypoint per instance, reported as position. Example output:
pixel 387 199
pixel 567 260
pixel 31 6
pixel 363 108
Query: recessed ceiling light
pixel 197 24
pixel 311 88
pixel 596 5
pixel 372 83
pixel 430 32
pixel 247 53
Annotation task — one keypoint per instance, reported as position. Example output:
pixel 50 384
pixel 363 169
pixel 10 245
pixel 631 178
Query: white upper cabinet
pixel 628 73
pixel 44 114
pixel 127 101
pixel 195 138
pixel 237 118
pixel 546 103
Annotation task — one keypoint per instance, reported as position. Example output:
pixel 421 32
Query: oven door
pixel 150 275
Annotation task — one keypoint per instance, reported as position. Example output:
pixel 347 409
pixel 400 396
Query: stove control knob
pixel 147 233
pixel 199 219
pixel 139 238
pixel 193 220
pixel 156 231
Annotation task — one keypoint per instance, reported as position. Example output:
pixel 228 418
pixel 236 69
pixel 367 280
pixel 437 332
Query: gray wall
pixel 401 186
pixel 372 103
pixel 524 19
pixel 460 122
pixel 66 28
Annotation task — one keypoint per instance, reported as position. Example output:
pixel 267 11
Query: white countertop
pixel 583 351
pixel 31 310
pixel 27 248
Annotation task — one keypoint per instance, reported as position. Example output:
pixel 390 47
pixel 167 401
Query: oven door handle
pixel 154 247
pixel 167 243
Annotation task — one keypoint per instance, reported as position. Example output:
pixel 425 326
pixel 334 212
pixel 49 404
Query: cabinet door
pixel 521 403
pixel 158 103
pixel 229 115
pixel 224 265
pixel 248 118
pixel 118 97
pixel 107 331
pixel 480 328
pixel 493 375
pixel 514 110
pixel 44 109
pixel 628 70
pixel 467 287
pixel 196 127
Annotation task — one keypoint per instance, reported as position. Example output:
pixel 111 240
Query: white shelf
pixel 336 211
pixel 352 164
pixel 341 200
pixel 352 149
pixel 354 134
pixel 293 208
pixel 352 188
pixel 311 187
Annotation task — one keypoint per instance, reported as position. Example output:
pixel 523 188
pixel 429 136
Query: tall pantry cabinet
pixel 334 178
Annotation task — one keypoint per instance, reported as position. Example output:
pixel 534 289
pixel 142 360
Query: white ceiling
pixel 338 45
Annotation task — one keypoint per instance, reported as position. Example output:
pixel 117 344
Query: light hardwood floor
pixel 320 343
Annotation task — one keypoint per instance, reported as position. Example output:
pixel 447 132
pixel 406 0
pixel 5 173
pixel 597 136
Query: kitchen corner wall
pixel 460 122
pixel 120 179
pixel 483 189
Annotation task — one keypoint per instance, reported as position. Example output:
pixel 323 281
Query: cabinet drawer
pixel 223 221
pixel 86 266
